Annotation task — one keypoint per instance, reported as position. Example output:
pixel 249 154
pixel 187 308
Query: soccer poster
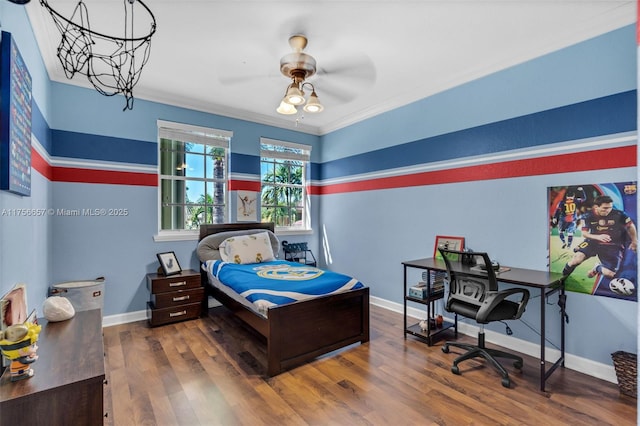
pixel 593 238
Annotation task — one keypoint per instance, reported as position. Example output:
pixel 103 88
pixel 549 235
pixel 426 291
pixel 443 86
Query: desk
pixel 546 282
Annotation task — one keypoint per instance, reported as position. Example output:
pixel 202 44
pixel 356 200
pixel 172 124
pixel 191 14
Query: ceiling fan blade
pixel 346 79
pixel 341 93
pixel 356 67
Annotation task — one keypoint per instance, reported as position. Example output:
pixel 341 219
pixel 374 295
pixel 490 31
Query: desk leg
pixel 543 373
pixel 404 298
pixel 562 320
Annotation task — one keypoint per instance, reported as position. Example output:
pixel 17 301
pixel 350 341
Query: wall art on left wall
pixel 15 119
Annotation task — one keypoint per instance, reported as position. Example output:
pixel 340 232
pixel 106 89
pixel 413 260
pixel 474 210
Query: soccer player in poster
pixel 606 232
pixel 567 214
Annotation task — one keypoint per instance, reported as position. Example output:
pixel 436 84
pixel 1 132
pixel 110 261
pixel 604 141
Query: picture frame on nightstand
pixel 169 263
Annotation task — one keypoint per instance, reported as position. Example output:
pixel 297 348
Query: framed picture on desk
pixel 448 243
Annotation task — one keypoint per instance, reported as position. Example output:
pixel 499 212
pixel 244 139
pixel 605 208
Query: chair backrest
pixel 467 291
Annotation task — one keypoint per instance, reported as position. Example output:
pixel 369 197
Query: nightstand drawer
pixel 160 284
pixel 173 314
pixel 179 297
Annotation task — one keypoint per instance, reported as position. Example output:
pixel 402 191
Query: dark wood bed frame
pixel 299 332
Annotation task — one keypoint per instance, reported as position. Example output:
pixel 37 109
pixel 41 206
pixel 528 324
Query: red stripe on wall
pixel 244 185
pixel 566 163
pixel 72 174
pixel 41 165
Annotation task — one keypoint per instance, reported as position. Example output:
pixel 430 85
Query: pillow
pixel 209 247
pixel 243 249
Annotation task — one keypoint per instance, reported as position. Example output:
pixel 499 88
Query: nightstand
pixel 175 297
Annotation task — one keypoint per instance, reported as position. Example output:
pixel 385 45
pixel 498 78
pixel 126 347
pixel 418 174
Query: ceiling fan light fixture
pixel 294 95
pixel 298 66
pixel 286 108
pixel 313 105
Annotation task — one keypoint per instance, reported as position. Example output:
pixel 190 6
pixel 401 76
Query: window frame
pixel 305 157
pixel 209 137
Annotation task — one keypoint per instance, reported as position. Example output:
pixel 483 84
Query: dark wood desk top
pixel 519 276
pixel 68 352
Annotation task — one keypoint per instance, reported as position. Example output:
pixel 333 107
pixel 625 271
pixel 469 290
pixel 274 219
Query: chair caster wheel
pixel 445 349
pixel 455 370
pixel 506 382
pixel 518 365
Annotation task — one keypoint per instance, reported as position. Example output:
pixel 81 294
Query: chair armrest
pixel 494 298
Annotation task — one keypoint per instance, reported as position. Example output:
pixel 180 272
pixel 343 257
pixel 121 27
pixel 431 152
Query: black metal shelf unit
pixel 430 334
pixel 298 252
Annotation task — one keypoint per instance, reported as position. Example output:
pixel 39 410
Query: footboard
pixel 299 332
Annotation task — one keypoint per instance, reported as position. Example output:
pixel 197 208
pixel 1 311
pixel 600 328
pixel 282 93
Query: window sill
pixel 285 231
pixel 194 235
pixel 176 236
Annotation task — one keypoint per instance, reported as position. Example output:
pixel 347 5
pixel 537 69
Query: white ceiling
pixel 223 56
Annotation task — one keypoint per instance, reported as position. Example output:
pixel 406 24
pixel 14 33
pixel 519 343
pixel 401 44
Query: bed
pixel 298 331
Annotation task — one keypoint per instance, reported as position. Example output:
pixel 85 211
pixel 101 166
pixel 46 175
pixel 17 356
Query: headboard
pixel 216 228
pixel 212 235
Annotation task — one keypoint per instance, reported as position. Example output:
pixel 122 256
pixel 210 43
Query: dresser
pixel 174 298
pixel 67 387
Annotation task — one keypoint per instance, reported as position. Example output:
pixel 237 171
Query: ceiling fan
pixel 340 78
pixel 298 66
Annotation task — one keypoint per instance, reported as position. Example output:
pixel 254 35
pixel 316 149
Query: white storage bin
pixel 83 295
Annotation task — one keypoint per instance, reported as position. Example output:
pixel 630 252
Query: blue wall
pixel 26 242
pixel 540 113
pixel 366 233
pixel 86 132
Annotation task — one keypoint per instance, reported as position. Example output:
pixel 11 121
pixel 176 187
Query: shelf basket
pixel 626 365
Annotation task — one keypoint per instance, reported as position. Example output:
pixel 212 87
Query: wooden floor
pixel 210 372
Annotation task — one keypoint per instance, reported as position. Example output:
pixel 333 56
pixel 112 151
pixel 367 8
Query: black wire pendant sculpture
pixel 110 63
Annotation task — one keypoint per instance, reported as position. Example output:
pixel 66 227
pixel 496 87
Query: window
pixel 284 168
pixel 193 176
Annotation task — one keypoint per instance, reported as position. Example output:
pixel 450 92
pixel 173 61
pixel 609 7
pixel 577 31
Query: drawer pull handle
pixel 177 299
pixel 177 314
pixel 177 284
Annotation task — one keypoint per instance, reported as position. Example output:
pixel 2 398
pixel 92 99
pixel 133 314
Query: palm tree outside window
pixel 283 170
pixel 193 176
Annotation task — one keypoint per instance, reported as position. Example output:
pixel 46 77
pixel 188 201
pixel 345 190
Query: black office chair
pixel 478 298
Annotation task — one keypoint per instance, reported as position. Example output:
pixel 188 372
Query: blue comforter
pixel 279 282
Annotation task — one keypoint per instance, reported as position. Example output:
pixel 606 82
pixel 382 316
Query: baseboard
pixel 140 315
pixel 582 365
pixel 124 318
